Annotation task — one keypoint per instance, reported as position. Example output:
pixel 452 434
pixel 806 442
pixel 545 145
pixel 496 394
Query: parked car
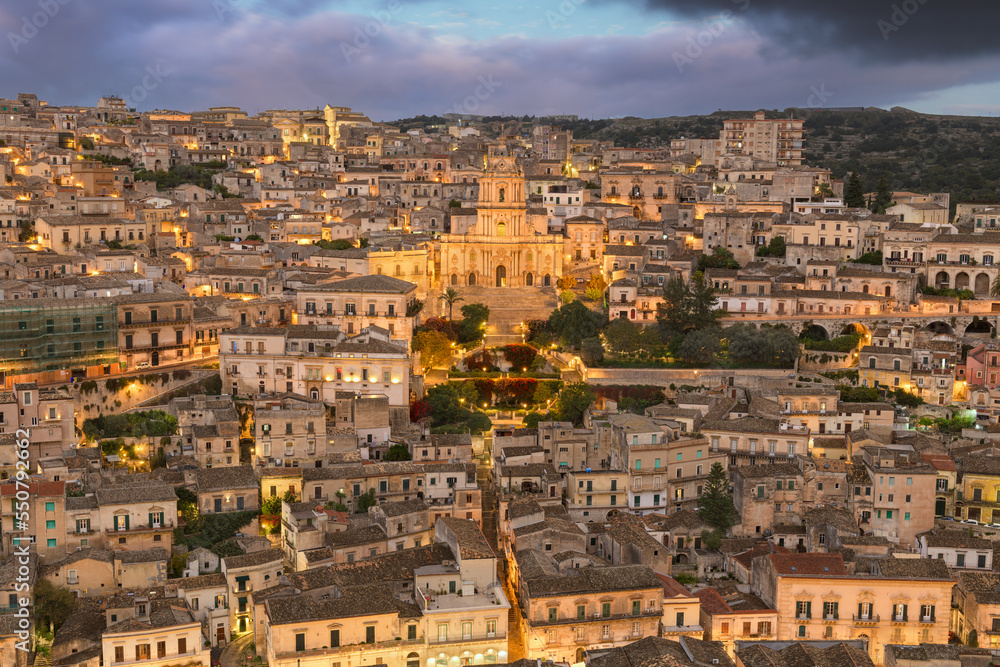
pixel 142 365
pixel 971 521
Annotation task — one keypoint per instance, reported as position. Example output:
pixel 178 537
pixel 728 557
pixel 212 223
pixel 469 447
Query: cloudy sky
pixel 593 58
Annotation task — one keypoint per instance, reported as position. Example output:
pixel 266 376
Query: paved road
pixel 231 654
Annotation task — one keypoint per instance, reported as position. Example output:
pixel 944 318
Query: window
pixel 120 653
pixel 636 605
pixel 581 612
pixel 335 637
pixel 142 651
pixel 831 611
pixel 803 609
pixel 605 610
pixel 370 634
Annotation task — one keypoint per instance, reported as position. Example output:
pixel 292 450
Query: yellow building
pixel 505 248
pixel 896 600
pixel 978 495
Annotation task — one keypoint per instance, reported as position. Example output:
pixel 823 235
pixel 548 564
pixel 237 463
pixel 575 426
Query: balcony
pixel 166 525
pixel 146 323
pixel 599 618
pixel 870 619
pixel 336 650
pixel 474 637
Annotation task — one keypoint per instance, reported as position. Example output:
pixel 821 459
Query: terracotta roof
pixel 808 563
pixel 804 655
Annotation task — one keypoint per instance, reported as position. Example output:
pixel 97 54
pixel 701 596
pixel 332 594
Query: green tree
pixel 289 497
pixel 854 192
pixel 451 297
pixel 53 604
pixel 776 248
pixel 721 258
pixel 336 244
pixel 591 351
pixel 479 422
pixel 366 500
pixel 566 297
pixel 574 400
pixel 434 348
pixel 872 257
pixel 995 288
pixel 397 452
pixel 973 639
pixel 450 402
pixel 622 336
pixel 686 307
pixel 717 509
pixel 883 196
pixel 566 282
pixel 271 506
pixel 700 346
pixel 711 539
pixel 543 392
pixel 574 321
pixel 474 319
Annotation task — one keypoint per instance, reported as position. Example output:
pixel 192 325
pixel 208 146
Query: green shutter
pixel 859 610
pixel 126 522
pixel 150 519
pixel 809 609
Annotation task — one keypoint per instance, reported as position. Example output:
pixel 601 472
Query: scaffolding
pixel 39 335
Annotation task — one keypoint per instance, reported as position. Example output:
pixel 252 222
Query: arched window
pixel 472 256
pixel 501 229
pixel 314 394
pixel 529 257
pixel 378 270
pixel 502 194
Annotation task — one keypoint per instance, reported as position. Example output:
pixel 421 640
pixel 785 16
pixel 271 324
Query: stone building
pixel 507 247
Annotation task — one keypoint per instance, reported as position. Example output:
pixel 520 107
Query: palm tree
pixel 995 288
pixel 450 297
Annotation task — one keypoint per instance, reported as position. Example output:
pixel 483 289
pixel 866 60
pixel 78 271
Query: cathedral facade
pixel 507 246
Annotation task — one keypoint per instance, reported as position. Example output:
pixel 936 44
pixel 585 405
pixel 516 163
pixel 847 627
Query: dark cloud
pixel 305 53
pixel 888 31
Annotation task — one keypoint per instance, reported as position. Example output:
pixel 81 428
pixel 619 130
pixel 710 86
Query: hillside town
pixel 300 389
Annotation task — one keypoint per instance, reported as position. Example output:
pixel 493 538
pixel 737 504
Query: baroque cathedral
pixel 508 246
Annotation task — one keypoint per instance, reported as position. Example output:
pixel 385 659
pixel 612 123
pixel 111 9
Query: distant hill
pixel 914 151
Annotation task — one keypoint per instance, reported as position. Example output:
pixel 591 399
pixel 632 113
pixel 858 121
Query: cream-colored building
pixel 63 233
pixel 315 362
pixel 509 245
pixel 566 614
pixel 898 601
pixel 353 304
pixel 144 629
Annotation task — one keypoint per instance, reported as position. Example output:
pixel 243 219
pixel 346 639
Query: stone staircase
pixel 509 307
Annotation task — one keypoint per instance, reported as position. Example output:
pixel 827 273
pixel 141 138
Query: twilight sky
pixel 594 58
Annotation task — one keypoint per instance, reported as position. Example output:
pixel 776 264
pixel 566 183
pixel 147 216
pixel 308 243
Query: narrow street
pixel 232 655
pixel 484 475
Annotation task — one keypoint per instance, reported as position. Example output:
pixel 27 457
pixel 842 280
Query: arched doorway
pixel 501 276
pixel 154 359
pixel 940 506
pixel 982 284
pixel 547 280
pixel 472 279
pixel 962 280
pixel 528 280
pixel 942 279
pixel 579 654
pixel 413 660
pixel 637 212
